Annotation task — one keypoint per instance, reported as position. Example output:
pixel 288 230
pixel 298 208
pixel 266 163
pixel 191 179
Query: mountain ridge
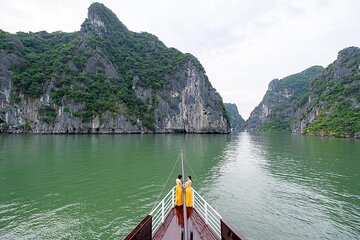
pixel 275 111
pixel 332 106
pixel 103 79
pixel 236 120
pixel 327 105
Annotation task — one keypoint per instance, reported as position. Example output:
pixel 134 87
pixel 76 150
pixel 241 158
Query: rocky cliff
pixel 316 101
pixel 103 79
pixel 332 105
pixel 277 109
pixel 236 121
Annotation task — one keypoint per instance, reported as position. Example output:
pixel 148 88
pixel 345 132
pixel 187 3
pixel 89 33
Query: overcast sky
pixel 243 44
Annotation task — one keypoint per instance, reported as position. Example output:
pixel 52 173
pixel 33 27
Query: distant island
pixel 236 121
pixel 317 101
pixel 103 79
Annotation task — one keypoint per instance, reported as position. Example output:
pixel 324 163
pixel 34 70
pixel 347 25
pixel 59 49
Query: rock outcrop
pixel 236 121
pixel 190 104
pixel 103 79
pixel 332 105
pixel 277 109
pixel 316 101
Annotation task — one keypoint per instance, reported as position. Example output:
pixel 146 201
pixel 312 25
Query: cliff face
pixel 236 121
pixel 277 109
pixel 316 101
pixel 103 79
pixel 189 103
pixel 332 105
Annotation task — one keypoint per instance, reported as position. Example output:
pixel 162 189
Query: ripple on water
pixel 47 224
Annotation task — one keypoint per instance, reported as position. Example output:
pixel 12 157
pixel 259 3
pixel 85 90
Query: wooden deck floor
pixel 174 225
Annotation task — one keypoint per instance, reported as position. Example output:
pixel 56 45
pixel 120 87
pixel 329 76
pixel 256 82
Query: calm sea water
pixel 269 186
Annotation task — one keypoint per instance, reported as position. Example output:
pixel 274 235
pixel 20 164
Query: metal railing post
pixel 162 211
pixel 206 213
pixel 173 197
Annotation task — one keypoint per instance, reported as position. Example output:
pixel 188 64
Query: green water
pixel 269 186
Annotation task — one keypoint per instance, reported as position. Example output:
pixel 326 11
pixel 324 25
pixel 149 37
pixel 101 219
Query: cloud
pixel 243 44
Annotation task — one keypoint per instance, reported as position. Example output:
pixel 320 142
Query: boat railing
pixel 208 213
pixel 161 210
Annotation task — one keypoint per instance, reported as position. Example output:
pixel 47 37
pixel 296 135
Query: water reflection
pixel 321 172
pixel 291 187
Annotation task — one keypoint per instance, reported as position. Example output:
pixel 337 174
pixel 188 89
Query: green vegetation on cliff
pixel 343 122
pixel 276 124
pixel 335 95
pixel 42 57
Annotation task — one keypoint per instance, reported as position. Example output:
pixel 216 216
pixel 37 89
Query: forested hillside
pixel 103 78
pixel 316 101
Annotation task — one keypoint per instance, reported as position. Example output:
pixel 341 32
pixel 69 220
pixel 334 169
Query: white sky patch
pixel 243 44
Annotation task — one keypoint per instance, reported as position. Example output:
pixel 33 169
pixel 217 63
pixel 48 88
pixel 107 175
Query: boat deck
pixel 174 225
